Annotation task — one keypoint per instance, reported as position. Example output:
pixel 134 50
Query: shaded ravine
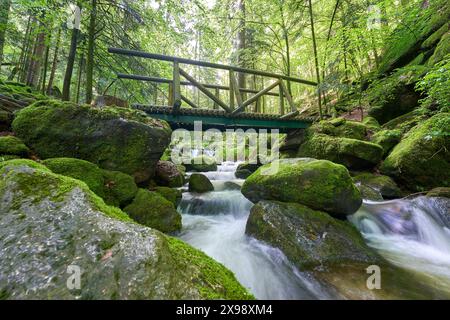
pixel 411 234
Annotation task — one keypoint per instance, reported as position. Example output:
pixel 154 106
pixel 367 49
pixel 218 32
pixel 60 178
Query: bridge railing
pixel 236 104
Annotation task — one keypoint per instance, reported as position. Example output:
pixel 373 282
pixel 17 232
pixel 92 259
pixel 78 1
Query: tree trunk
pixel 90 53
pixel 54 63
pixel 36 58
pixel 44 71
pixel 25 48
pixel 70 64
pixel 80 74
pixel 316 59
pixel 241 42
pixel 4 14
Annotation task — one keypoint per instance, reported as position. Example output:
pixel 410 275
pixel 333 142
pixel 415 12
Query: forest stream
pixel 411 234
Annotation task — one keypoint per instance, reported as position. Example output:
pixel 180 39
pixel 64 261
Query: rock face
pixel 168 174
pixel 113 138
pixel 114 187
pixel 307 237
pixel 10 145
pixel 318 184
pixel 352 153
pixel 421 160
pixel 49 222
pixel 153 210
pixel 200 183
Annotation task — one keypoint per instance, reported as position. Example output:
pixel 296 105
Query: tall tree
pixel 54 62
pixel 37 56
pixel 4 14
pixel 71 58
pixel 91 51
pixel 241 41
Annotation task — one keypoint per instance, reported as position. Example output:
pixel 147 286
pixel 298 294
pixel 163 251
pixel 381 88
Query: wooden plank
pixel 208 93
pixel 287 95
pixel 176 87
pixel 189 102
pixel 256 96
pixel 136 53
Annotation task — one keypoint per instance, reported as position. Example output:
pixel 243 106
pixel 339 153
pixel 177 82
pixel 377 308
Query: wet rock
pixel 49 222
pixel 439 192
pixel 368 193
pixel 201 164
pixel 113 138
pixel 382 184
pixel 318 184
pixel 168 174
pixel 200 183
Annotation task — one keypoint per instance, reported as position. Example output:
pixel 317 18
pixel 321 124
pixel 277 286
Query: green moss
pixel 371 123
pixel 383 184
pixel 171 194
pixel 118 188
pixel 215 281
pixel 340 127
pixel 318 184
pixel 350 152
pixel 82 170
pixel 13 145
pixel 153 210
pixel 20 91
pixel 200 183
pixel 442 49
pixel 421 160
pixel 435 37
pixel 202 164
pixel 387 139
pixel 405 122
pixel 6 157
pixel 42 183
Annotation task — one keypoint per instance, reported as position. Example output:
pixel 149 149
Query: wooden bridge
pixel 230 114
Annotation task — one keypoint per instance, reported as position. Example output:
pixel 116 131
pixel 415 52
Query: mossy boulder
pixel 245 169
pixel 382 184
pixel 13 146
pixel 6 157
pixel 79 169
pixel 168 174
pixel 387 139
pixel 115 139
pixel 352 153
pixel 440 192
pixel 340 127
pixel 151 209
pixel 318 184
pixel 59 222
pixel 405 122
pixel 368 193
pixel 442 49
pixel 171 194
pixel 119 189
pixel 114 187
pixel 6 119
pixel 200 183
pixel 201 164
pixel 421 161
pixel 307 237
pixel 371 123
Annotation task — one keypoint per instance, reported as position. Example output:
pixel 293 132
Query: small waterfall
pixel 214 222
pixel 412 234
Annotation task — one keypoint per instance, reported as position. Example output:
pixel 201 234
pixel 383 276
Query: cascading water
pixel 411 234
pixel 215 223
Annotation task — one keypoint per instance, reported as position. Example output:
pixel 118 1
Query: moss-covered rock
pixel 6 157
pixel 352 153
pixel 442 49
pixel 13 146
pixel 307 237
pixel 153 210
pixel 79 169
pixel 115 139
pixel 405 122
pixel 368 193
pixel 168 174
pixel 387 139
pixel 245 169
pixel 59 222
pixel 171 194
pixel 119 189
pixel 200 183
pixel 421 160
pixel 318 184
pixel 201 164
pixel 23 163
pixel 440 192
pixel 340 127
pixel 382 184
pixel 6 119
pixel 371 123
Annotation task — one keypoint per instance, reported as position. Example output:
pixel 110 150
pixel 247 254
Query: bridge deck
pixel 222 120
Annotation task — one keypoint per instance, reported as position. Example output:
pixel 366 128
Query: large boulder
pixel 200 183
pixel 383 185
pixel 387 139
pixel 168 174
pixel 421 160
pixel 10 145
pixel 318 184
pixel 340 127
pixel 352 153
pixel 307 237
pixel 171 194
pixel 51 226
pixel 119 188
pixel 153 210
pixel 114 138
pixel 245 169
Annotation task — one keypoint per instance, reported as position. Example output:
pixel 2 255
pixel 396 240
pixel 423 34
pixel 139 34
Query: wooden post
pixel 288 96
pixel 176 87
pixel 280 89
pixel 217 94
pixel 231 91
